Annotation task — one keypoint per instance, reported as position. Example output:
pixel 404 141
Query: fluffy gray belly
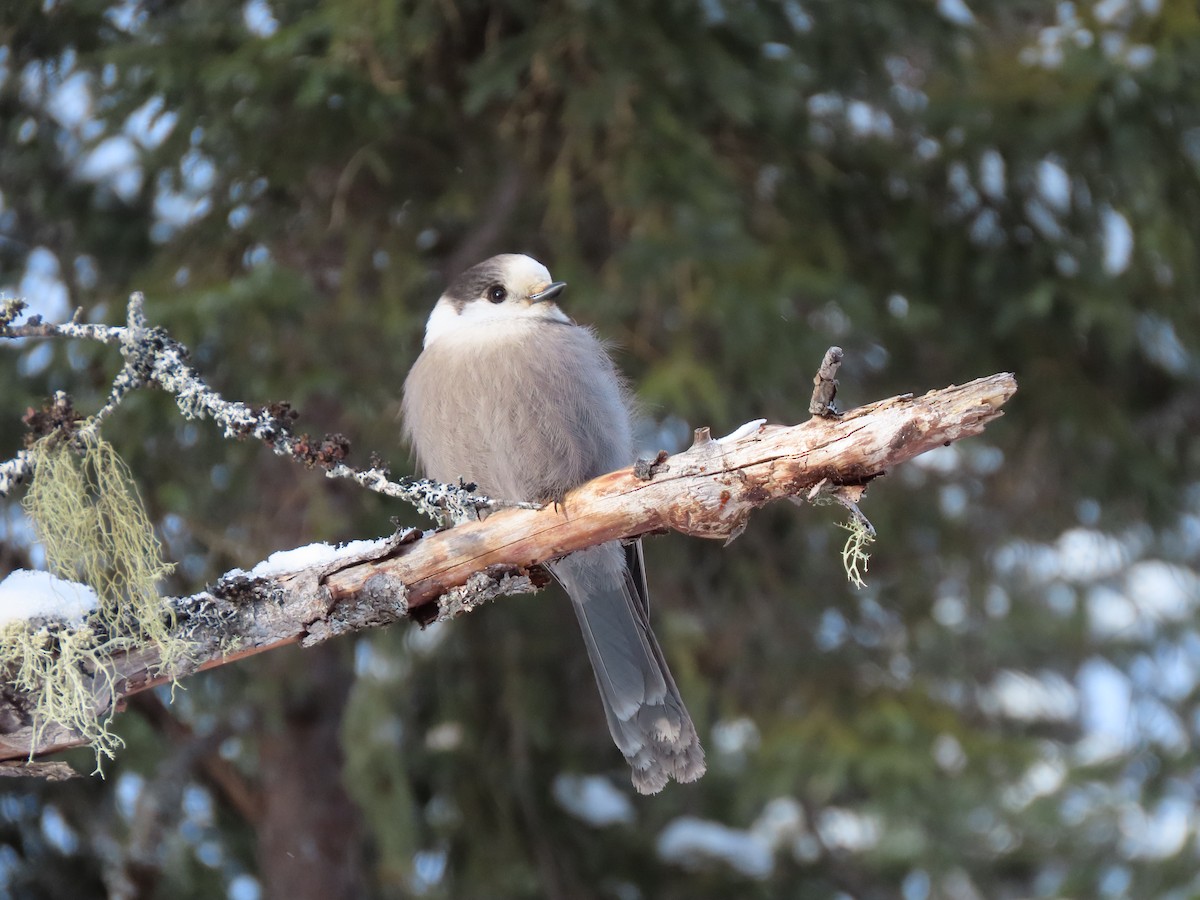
pixel 526 412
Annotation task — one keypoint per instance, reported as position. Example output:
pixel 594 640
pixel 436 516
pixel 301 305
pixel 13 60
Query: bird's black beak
pixel 549 292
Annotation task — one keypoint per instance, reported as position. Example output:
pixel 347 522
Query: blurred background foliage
pixel 946 189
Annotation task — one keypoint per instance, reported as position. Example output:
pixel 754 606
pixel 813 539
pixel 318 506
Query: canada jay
pixel 511 394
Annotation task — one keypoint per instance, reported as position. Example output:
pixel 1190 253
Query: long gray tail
pixel 645 713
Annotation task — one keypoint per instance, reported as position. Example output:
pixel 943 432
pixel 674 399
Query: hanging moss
pixel 87 514
pixel 89 518
pixel 66 668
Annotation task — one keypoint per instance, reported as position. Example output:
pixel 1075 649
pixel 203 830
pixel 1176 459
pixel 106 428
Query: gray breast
pixel 525 410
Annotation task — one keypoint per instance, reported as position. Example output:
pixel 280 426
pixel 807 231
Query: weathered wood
pixel 707 491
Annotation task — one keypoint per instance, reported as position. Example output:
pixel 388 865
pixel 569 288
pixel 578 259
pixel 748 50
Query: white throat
pixel 480 318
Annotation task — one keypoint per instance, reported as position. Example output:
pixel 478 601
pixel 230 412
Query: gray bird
pixel 511 394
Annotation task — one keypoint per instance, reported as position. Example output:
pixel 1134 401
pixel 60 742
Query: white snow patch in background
pixel 1106 704
pixel 425 641
pixel 1111 614
pixel 126 15
pixel 259 20
pixel 114 162
pixel 866 120
pixel 287 561
pixel 43 287
pixel 1054 185
pixel 428 870
pixel 955 11
pixel 1156 834
pixel 1030 698
pixel 1041 218
pixel 150 124
pixel 1044 777
pixel 128 793
pixel 826 104
pixel 1086 555
pixel 693 843
pixel 799 18
pixel 939 460
pixel 1162 591
pixel 1108 11
pixel 735 737
pixel 175 210
pixel 244 887
pixel 780 823
pixel 593 799
pixel 1160 343
pixel 1140 56
pixel 71 102
pixel 848 829
pixel 1117 238
pixel 57 832
pixel 25 594
pixel 992 173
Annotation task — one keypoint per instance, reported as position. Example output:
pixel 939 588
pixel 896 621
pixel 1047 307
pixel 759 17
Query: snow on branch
pixel 708 491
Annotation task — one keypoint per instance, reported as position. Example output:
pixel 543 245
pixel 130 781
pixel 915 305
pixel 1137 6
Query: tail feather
pixel 643 707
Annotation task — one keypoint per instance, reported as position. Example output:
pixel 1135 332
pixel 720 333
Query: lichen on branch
pixel 89 519
pixel 153 357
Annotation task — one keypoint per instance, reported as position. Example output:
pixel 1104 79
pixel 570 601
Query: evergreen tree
pixel 946 190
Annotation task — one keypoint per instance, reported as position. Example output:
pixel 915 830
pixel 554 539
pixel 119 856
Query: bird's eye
pixel 497 294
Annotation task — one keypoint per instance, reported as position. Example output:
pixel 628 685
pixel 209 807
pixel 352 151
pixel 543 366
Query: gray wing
pixel 635 565
pixel 534 431
pixel 645 712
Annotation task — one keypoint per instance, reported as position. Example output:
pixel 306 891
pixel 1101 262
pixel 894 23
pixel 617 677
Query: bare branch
pixel 825 384
pixel 153 357
pixel 50 771
pixel 707 491
pixel 14 471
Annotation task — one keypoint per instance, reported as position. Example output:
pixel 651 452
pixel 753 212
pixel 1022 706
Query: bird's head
pixel 505 289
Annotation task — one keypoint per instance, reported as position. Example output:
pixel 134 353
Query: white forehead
pixel 521 270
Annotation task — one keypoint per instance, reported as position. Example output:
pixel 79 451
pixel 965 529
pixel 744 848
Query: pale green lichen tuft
pixel 854 552
pixel 66 669
pixel 87 514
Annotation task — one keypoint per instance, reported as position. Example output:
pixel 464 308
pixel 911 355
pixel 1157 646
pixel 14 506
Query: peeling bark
pixel 707 491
